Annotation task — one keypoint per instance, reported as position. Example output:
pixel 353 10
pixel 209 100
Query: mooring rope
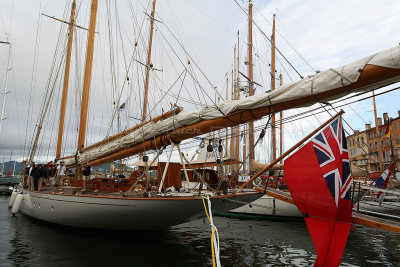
pixel 214 234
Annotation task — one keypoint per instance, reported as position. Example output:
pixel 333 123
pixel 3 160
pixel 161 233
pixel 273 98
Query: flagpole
pixel 302 141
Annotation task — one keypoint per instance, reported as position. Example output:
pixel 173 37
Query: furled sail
pixel 372 72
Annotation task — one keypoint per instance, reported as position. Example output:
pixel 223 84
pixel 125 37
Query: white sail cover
pixel 308 86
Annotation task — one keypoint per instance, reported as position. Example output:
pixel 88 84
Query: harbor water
pixel 243 242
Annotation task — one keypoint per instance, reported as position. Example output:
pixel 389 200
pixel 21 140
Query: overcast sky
pixel 325 33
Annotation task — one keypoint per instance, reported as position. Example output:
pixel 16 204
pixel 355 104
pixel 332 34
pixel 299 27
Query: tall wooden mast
pixel 146 88
pixel 377 134
pixel 66 79
pixel 87 79
pixel 251 92
pixel 273 129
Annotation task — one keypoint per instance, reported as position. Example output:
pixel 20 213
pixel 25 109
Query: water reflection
pixel 28 242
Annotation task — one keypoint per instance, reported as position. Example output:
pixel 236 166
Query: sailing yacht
pixel 135 203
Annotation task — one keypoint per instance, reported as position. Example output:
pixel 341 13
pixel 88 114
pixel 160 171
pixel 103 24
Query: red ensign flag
pixel 318 177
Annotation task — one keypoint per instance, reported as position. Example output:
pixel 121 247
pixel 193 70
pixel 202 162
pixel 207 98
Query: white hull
pixel 118 213
pixel 269 206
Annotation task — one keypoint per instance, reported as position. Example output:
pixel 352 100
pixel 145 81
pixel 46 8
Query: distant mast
pixel 280 124
pixel 87 79
pixel 234 129
pixel 237 96
pixel 66 79
pixel 226 130
pixel 273 133
pixel 232 145
pixel 251 92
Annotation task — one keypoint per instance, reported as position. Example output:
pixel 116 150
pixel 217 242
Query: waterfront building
pixel 364 145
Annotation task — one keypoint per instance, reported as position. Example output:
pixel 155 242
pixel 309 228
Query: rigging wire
pixel 308 113
pixel 191 59
pixel 54 71
pixel 33 78
pixel 263 34
pixel 281 35
pixel 124 83
pixel 184 71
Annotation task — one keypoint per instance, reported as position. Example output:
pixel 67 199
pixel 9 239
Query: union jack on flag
pixel 330 147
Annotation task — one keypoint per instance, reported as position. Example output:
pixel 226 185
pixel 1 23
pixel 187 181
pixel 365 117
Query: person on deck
pixel 25 172
pixel 61 171
pixel 30 175
pixel 49 171
pixel 43 176
pixel 86 171
pixel 36 174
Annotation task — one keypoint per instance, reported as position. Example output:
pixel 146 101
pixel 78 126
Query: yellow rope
pixel 204 204
pixel 212 235
pixel 212 246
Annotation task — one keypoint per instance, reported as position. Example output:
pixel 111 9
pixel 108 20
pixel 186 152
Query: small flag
pixel 125 104
pixel 387 133
pixel 383 180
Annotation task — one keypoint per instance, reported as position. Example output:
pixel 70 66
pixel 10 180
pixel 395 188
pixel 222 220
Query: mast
pixel 88 72
pixel 6 85
pixel 244 149
pixel 273 128
pixel 377 133
pixel 66 79
pixel 232 128
pixel 251 92
pixel 13 173
pixel 146 88
pixel 226 130
pixel 280 124
pixel 237 128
